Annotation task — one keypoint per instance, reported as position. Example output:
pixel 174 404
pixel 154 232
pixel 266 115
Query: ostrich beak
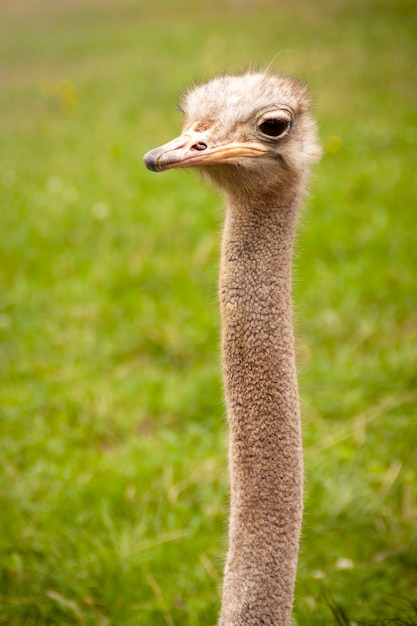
pixel 193 149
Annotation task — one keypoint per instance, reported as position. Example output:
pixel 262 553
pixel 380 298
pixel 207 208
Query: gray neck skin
pixel 265 449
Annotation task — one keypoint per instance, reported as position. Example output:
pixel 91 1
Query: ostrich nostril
pixel 199 146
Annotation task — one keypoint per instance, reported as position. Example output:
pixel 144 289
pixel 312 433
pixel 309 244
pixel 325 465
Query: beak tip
pixel 151 160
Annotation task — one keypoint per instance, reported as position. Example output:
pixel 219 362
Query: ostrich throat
pixel 265 458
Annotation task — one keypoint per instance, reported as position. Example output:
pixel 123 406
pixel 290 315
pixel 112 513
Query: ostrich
pixel 254 137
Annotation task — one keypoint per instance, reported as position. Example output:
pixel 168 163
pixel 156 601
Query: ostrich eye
pixel 274 127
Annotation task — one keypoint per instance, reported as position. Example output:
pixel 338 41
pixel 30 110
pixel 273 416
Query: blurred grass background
pixel 114 482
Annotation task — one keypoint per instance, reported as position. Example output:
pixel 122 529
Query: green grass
pixel 114 489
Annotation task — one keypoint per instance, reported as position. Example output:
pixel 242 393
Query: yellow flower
pixel 332 144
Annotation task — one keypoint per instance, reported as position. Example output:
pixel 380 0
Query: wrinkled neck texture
pixel 265 449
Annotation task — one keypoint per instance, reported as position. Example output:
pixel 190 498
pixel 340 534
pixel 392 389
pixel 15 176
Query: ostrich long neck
pixel 265 453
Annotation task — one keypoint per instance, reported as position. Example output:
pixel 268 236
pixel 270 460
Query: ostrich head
pixel 251 132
